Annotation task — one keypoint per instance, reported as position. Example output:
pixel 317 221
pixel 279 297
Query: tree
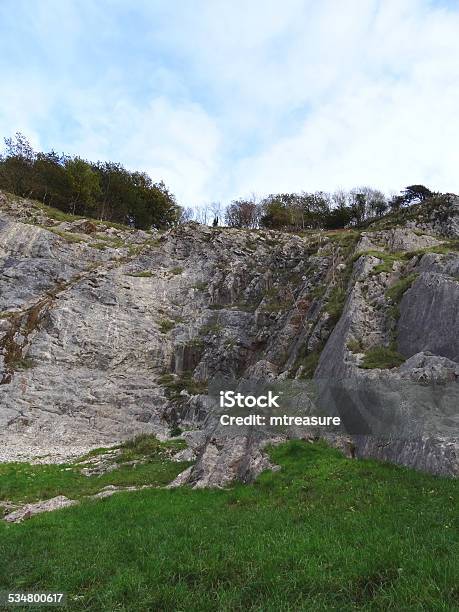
pixel 115 188
pixel 396 202
pixel 50 181
pixel 102 189
pixel 202 214
pixel 216 210
pixel 358 207
pixel 242 213
pixel 186 215
pixel 416 193
pixel 316 207
pixel 338 217
pixel 84 185
pixel 339 199
pixel 375 201
pixel 17 165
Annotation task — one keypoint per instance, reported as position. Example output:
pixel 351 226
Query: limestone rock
pixel 429 317
pixel 29 510
pixel 112 333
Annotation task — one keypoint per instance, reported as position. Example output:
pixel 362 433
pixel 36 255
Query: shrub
pixel 175 384
pixel 335 303
pixel 211 328
pixel 382 357
pixel 355 346
pixel 166 325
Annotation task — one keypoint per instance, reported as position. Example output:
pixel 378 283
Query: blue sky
pixel 224 98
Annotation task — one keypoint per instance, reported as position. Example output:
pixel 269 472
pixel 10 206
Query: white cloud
pixel 387 120
pixel 224 98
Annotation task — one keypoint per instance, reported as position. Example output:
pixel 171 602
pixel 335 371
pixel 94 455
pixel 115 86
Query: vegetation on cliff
pixel 109 192
pixel 103 190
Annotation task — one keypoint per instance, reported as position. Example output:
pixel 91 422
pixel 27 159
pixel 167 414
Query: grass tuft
pixel 396 291
pixel 381 357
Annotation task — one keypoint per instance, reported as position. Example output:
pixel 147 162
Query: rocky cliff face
pixel 106 332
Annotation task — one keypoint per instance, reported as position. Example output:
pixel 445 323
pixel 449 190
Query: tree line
pixel 320 210
pixel 102 190
pixel 107 191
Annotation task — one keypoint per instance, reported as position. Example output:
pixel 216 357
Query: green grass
pixel 381 357
pixel 174 384
pixel 68 236
pixel 344 237
pixel 6 314
pixel 101 246
pixel 309 361
pixel 201 286
pixel 318 291
pixel 56 214
pixel 335 303
pixel 277 299
pixel 165 325
pixel 387 259
pixel 210 328
pixel 23 482
pixel 449 246
pixel 355 346
pixel 324 533
pixel 22 363
pixel 146 445
pixel 59 215
pixel 396 291
pixel 197 343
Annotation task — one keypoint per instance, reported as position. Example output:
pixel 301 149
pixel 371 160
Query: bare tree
pixel 202 214
pixel 243 213
pixel 187 214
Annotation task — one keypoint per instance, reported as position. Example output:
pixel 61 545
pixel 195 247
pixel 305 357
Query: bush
pixel 382 357
pixel 355 346
pixel 175 431
pixel 166 325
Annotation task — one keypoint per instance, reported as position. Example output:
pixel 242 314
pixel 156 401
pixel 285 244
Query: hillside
pixel 111 340
pixel 107 332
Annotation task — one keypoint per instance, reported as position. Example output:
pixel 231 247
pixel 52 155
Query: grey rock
pixel 396 240
pixel 29 510
pixel 429 317
pixel 99 344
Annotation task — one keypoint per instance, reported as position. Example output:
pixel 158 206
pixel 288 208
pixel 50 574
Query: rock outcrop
pixel 108 333
pixel 29 510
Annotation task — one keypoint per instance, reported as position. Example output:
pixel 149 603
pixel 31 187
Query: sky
pixel 227 98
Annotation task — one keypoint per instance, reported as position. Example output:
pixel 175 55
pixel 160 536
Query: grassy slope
pixel 324 533
pixel 24 483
